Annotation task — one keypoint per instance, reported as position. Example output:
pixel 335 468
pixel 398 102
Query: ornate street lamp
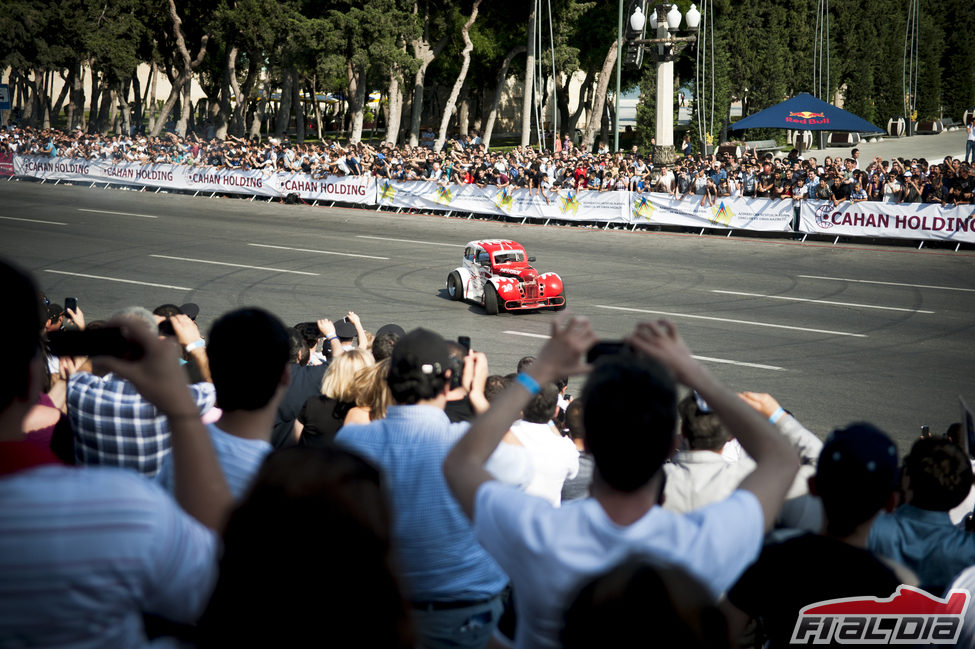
pixel 665 20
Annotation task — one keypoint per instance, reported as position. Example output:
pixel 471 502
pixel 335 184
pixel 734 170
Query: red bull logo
pixel 807 117
pixel 805 114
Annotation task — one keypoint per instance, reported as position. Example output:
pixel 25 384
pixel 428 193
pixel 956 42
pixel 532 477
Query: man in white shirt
pixel 630 419
pixel 665 182
pixel 554 458
pixel 700 475
pixel 249 389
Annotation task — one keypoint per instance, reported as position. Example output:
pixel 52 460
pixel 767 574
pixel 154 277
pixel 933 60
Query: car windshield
pixel 508 256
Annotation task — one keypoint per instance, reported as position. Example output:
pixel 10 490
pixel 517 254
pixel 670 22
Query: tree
pixel 184 81
pixel 958 59
pixel 496 97
pixel 461 76
pixel 595 117
pixel 425 50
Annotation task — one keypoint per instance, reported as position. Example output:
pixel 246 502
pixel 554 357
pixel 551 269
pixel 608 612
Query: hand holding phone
pixel 108 341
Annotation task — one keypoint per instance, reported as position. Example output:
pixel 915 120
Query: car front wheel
pixel 562 306
pixel 490 299
pixel 454 286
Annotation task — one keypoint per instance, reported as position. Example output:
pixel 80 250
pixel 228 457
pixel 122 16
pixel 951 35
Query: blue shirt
pixel 239 457
pixel 439 556
pixel 926 542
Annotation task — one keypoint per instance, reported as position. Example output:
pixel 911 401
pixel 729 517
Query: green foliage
pixel 763 45
pixel 958 59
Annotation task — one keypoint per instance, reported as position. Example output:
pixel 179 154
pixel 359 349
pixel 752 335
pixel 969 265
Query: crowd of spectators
pixel 465 161
pixel 393 489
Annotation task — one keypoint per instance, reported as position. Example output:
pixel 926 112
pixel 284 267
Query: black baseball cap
pixel 420 352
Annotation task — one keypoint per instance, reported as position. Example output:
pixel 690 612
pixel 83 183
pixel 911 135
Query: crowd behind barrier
pixel 910 199
pixel 356 456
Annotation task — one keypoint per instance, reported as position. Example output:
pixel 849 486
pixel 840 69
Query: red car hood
pixel 525 273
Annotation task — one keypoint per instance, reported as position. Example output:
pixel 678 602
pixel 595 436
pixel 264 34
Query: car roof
pixel 495 245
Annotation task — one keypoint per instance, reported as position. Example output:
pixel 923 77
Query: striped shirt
pixel 239 457
pixel 439 556
pixel 85 551
pixel 115 426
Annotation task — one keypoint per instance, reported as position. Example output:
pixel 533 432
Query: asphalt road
pixel 836 333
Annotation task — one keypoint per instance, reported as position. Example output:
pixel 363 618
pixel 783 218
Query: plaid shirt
pixel 113 425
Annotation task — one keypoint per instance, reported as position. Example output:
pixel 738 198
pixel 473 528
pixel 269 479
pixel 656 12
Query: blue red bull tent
pixel 805 112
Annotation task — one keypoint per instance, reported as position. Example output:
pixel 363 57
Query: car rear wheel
pixel 490 299
pixel 454 286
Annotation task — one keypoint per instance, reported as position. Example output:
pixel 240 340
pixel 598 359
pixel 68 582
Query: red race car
pixel 497 275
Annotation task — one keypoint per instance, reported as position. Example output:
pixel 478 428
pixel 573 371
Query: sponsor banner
pixel 208 179
pixel 889 220
pixel 53 168
pixel 732 213
pixel 347 189
pixel 6 164
pixel 566 205
pixel 350 189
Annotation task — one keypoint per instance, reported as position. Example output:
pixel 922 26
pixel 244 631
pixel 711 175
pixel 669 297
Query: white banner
pixel 565 205
pixel 890 220
pixel 729 213
pixel 867 219
pixel 348 189
pixel 345 189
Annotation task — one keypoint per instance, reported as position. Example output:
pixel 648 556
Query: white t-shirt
pixel 549 552
pixel 667 180
pixel 554 458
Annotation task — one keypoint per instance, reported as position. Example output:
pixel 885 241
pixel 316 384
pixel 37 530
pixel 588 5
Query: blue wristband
pixel 331 338
pixel 528 383
pixel 775 416
pixel 196 344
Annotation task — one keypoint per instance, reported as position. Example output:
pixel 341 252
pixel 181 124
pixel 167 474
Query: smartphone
pixel 107 341
pixel 606 348
pixel 465 342
pixel 71 303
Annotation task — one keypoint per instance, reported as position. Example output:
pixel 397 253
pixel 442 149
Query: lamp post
pixel 619 69
pixel 665 20
pixel 634 34
pixel 668 19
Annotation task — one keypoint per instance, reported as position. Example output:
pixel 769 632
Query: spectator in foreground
pixel 453 585
pixel 249 389
pixel 630 402
pixel 306 381
pixel 701 473
pixel 555 458
pixel 326 512
pixel 642 602
pixel 114 424
pixel 856 479
pixel 936 477
pixel 324 414
pixel 71 532
pixel 578 487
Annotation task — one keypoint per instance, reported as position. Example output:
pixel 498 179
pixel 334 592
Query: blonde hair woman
pixel 372 394
pixel 322 416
